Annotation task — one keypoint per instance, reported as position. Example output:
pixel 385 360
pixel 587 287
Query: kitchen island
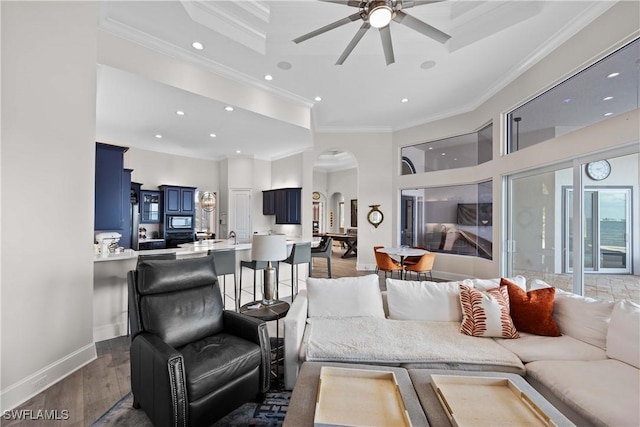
pixel 110 295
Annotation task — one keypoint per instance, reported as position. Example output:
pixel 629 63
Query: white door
pixel 240 214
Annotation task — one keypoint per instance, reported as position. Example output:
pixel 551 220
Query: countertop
pixel 186 249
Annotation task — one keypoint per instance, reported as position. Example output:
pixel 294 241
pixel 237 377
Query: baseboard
pixel 20 392
pixel 107 332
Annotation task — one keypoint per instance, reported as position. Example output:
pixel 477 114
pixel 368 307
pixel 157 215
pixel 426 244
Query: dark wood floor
pixel 93 389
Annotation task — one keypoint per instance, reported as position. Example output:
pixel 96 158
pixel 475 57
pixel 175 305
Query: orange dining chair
pixel 385 263
pixel 410 260
pixel 423 266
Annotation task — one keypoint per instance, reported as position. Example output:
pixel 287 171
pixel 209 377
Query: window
pixel 455 220
pixel 449 153
pixel 608 88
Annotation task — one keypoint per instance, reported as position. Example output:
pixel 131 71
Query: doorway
pixel 606 229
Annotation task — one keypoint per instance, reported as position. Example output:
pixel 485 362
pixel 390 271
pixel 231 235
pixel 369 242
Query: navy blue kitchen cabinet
pixel 110 209
pixel 284 203
pixel 288 203
pixel 125 240
pixel 269 202
pixel 178 200
pixel 149 206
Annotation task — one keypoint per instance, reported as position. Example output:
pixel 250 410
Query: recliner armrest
pixel 294 324
pixel 254 330
pixel 165 393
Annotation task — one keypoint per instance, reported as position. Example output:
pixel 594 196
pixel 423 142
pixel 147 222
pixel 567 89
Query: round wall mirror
pixel 375 216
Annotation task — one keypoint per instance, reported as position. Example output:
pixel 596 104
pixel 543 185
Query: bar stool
pixel 300 254
pixel 255 266
pixel 224 262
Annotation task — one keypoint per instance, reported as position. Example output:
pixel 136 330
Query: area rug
pixel 270 413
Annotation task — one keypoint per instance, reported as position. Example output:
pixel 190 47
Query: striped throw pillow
pixel 486 313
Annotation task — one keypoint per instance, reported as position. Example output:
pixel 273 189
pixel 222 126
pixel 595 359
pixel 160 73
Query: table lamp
pixel 269 247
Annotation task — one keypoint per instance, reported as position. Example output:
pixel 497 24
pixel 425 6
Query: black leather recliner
pixel 192 362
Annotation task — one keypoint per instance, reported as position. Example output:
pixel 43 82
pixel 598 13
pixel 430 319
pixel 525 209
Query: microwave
pixel 179 222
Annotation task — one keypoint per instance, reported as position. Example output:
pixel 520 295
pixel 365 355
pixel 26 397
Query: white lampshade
pixel 269 247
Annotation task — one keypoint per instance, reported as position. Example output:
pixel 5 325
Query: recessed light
pixel 237 151
pixel 212 135
pixel 566 100
pixel 443 154
pixel 284 65
pixel 318 98
pixel 613 75
pixel 428 64
pixel 158 136
pixel 228 108
pixel 180 113
pixel 455 158
pixel 197 45
pixel 268 77
pixel 608 114
pixel 430 148
pixel 404 100
pixel 607 98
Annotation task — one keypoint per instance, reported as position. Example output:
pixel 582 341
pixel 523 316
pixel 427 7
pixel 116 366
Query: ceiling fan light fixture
pixel 380 14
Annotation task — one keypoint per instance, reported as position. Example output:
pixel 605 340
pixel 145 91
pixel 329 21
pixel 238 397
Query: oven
pixel 173 240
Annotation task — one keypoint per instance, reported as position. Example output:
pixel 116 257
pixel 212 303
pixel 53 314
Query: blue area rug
pixel 270 413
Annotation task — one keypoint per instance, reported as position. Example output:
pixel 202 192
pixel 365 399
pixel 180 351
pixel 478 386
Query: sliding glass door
pixel 584 241
pixel 606 229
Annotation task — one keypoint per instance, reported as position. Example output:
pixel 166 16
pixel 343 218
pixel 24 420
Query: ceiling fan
pixel 379 14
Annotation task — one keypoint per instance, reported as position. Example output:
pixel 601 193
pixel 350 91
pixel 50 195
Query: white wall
pixel 48 162
pixel 372 151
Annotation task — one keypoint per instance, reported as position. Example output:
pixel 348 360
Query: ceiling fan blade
pixel 354 41
pixel 353 3
pixel 411 3
pixel 387 46
pixel 329 27
pixel 421 27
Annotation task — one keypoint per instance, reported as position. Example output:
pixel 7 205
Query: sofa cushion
pixel 345 297
pixel 623 336
pixel 584 318
pixel 486 313
pixel 606 392
pixel 532 311
pixel 484 284
pixel 530 348
pixel 410 300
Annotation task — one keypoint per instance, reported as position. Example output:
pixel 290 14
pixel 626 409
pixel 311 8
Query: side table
pixel 269 312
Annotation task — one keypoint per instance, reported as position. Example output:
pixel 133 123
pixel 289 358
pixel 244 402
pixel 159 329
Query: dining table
pixel 402 252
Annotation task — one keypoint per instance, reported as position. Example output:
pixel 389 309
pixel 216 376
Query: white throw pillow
pixel 410 300
pixel 623 337
pixel 345 297
pixel 583 318
pixel 485 284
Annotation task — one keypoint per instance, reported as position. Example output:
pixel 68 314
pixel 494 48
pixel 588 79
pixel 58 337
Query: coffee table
pixel 302 406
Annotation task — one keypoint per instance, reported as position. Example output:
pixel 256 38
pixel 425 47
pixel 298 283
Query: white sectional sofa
pixel 591 372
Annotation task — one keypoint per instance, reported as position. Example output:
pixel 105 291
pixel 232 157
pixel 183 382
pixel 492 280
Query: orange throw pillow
pixel 532 311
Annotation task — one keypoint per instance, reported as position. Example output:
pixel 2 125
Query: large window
pixel 455 220
pixel 607 89
pixel 449 153
pixel 580 241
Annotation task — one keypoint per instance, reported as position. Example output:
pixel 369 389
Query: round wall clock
pixel 598 170
pixel 316 195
